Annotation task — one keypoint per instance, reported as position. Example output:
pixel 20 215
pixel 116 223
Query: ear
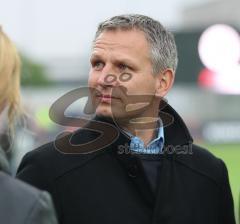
pixel 164 82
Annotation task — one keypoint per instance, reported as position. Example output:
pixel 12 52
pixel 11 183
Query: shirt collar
pixel 153 147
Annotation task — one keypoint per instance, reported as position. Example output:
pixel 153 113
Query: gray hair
pixel 162 44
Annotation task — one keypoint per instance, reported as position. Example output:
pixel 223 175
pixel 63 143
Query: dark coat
pixel 21 203
pixel 110 187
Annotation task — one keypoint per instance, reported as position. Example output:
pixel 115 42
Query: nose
pixel 107 77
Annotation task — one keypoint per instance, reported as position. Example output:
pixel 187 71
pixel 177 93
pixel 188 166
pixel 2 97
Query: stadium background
pixel 54 40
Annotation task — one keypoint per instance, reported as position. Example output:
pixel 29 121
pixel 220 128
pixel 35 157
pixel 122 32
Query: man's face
pixel 121 67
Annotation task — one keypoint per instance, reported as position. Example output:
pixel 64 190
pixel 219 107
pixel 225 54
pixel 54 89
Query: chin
pixel 102 111
pixel 107 113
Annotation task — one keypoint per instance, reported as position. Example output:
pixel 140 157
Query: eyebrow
pixel 95 56
pixel 124 61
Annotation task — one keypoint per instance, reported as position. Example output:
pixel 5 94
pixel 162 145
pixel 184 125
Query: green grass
pixel 230 154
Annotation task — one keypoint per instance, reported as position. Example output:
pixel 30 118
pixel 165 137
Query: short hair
pixel 163 50
pixel 10 67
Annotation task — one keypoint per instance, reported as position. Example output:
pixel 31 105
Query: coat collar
pixel 105 133
pixel 176 132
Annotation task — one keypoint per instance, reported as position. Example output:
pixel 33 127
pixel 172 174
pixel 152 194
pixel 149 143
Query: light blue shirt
pixel 154 147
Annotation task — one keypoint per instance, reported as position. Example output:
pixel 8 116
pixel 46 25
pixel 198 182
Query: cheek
pixel 149 84
pixel 141 86
pixel 91 80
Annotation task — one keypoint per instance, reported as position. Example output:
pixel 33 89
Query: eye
pixel 122 66
pixel 98 65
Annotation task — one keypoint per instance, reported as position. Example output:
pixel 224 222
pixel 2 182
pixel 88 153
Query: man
pixel 132 163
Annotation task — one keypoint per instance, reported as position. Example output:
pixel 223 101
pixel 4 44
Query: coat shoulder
pixel 24 201
pixel 14 188
pixel 204 163
pixel 49 163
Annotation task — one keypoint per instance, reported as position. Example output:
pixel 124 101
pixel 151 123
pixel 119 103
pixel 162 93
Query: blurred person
pixel 20 203
pixel 135 161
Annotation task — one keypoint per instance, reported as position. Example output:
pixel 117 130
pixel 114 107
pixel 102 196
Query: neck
pixel 144 128
pixel 144 125
pixel 146 135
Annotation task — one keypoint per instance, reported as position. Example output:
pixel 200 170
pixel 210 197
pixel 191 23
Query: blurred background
pixel 54 39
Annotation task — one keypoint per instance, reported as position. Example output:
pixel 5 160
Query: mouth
pixel 106 98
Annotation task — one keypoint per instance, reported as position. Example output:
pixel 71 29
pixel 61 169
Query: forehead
pixel 125 41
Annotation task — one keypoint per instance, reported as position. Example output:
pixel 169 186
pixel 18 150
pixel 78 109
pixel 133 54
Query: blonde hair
pixel 10 69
